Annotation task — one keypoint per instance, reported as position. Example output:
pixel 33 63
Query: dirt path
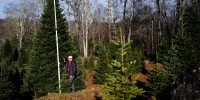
pixel 89 77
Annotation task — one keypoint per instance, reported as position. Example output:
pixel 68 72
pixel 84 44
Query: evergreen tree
pixel 181 56
pixel 12 76
pixel 6 86
pixel 104 52
pixel 42 74
pixel 164 48
pixel 22 58
pixel 120 85
pixel 81 77
pixel 191 36
pixel 187 42
pixel 7 50
pixel 15 55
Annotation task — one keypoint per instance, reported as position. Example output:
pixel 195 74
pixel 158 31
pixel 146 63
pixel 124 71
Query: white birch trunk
pixel 87 28
pixel 131 16
pixel 85 21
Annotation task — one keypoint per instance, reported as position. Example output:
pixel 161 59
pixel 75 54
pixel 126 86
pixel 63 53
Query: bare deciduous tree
pixel 20 16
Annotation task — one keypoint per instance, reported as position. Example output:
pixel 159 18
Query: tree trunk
pixel 179 11
pixel 35 28
pixel 152 37
pixel 159 23
pixel 129 34
pixel 75 6
pixel 198 7
pixel 124 15
pixel 21 35
pixel 76 23
pixel 86 28
pixel 130 24
pixel 69 27
pixel 114 17
pixel 109 19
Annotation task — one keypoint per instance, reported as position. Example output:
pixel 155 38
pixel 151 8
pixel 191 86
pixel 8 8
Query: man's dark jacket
pixel 72 69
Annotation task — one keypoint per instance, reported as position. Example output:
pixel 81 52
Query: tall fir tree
pixel 187 40
pixel 191 20
pixel 42 73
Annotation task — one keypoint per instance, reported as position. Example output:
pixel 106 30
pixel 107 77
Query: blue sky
pixel 2 5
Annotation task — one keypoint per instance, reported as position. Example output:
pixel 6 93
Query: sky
pixel 3 3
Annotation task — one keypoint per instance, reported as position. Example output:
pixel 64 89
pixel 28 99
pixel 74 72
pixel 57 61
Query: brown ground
pixel 89 78
pixel 149 66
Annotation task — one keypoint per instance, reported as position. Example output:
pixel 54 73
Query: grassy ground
pixel 91 94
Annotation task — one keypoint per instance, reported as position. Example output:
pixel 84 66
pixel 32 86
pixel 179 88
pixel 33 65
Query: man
pixel 72 71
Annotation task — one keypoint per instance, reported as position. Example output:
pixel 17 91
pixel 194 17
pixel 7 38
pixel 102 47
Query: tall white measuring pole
pixel 57 47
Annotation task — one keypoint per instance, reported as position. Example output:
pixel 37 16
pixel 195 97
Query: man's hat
pixel 70 57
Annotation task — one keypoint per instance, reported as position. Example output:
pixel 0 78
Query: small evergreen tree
pixel 15 55
pixel 42 73
pixel 22 58
pixel 6 86
pixel 13 75
pixel 160 80
pixel 135 54
pixel 120 84
pixel 81 76
pixel 104 52
pixel 7 50
pixel 164 48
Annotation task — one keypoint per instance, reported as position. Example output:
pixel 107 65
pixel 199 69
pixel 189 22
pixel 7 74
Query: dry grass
pixel 140 77
pixel 91 91
pixel 152 66
pixel 81 95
